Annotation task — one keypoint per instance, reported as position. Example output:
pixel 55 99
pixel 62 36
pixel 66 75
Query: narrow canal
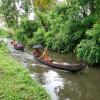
pixel 61 85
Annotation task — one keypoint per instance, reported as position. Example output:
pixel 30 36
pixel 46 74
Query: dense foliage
pixel 26 30
pixel 89 50
pixel 12 10
pixel 66 26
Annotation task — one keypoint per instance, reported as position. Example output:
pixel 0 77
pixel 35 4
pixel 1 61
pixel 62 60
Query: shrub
pixel 94 33
pixel 38 37
pixel 88 51
pixel 48 39
pixel 29 27
pixel 21 36
pixel 26 29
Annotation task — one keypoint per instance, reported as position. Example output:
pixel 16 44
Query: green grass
pixel 15 81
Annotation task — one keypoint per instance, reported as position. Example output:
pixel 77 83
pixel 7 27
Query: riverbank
pixel 15 81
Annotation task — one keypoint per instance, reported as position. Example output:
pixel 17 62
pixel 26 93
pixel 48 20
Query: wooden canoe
pixel 62 66
pixel 18 46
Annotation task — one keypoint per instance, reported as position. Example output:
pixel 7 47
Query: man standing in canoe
pixel 45 55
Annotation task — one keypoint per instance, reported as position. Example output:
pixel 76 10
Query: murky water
pixel 62 85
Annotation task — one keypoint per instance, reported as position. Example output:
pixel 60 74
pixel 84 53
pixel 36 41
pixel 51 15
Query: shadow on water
pixel 62 85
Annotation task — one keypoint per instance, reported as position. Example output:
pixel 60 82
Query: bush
pixel 66 34
pixel 29 27
pixel 38 37
pixel 88 21
pixel 94 33
pixel 88 51
pixel 48 39
pixel 26 29
pixel 21 36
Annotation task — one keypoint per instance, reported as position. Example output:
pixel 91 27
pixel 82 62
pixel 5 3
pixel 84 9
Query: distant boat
pixel 62 66
pixel 19 47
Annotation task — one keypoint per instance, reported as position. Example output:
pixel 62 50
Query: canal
pixel 61 85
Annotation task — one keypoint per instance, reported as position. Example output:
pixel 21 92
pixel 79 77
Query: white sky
pixel 60 0
pixel 31 16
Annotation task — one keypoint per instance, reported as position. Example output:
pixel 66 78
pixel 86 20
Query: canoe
pixel 62 66
pixel 21 47
pixel 17 46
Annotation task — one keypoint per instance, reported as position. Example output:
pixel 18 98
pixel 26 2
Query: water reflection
pixel 53 83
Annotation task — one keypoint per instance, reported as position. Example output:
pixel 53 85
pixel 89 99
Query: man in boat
pixel 14 43
pixel 36 52
pixel 45 55
pixel 19 45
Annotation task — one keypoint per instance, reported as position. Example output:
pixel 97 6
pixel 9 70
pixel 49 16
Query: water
pixel 61 85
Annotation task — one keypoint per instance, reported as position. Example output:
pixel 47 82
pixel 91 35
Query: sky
pixel 60 0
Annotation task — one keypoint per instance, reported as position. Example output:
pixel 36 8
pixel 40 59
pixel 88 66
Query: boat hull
pixel 21 48
pixel 62 66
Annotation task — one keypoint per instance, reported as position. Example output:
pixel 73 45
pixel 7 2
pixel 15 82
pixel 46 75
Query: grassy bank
pixel 15 81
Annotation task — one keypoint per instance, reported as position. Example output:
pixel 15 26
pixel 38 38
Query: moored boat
pixel 19 47
pixel 62 66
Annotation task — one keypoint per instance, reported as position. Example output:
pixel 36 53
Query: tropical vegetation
pixel 68 26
